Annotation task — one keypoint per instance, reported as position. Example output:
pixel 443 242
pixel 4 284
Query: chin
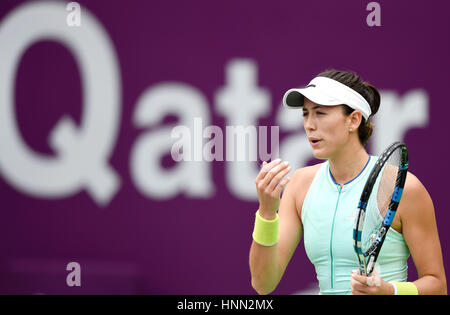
pixel 319 154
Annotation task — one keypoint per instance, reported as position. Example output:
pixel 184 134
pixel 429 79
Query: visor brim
pixel 295 98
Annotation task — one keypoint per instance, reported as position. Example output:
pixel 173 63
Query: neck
pixel 348 163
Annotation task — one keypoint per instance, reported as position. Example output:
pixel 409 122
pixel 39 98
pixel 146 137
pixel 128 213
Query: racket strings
pixel 379 202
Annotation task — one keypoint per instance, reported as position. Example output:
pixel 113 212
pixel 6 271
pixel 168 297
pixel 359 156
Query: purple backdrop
pixel 137 242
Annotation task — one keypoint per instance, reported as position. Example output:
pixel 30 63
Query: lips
pixel 314 141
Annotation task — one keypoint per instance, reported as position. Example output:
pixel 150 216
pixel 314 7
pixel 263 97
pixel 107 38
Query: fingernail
pixel 286 162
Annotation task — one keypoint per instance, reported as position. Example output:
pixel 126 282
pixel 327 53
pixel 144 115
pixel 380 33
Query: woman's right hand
pixel 269 184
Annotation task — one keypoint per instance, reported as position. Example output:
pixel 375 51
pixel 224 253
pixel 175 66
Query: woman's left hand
pixel 373 285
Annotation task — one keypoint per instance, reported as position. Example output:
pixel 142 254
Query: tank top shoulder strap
pixel 320 174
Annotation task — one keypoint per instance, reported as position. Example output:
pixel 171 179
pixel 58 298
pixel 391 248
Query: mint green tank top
pixel 328 215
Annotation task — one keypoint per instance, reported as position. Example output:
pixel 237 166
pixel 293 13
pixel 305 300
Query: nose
pixel 309 123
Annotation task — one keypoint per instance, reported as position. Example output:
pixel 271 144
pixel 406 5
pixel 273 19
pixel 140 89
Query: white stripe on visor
pixel 327 92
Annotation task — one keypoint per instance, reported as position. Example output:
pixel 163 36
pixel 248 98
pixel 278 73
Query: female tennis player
pixel 319 202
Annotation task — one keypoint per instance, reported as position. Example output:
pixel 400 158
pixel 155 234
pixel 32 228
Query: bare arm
pixel 267 264
pixel 419 229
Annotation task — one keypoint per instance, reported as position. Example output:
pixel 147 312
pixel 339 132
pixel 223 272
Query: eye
pixel 305 114
pixel 320 113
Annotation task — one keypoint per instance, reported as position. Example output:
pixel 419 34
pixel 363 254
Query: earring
pixel 351 129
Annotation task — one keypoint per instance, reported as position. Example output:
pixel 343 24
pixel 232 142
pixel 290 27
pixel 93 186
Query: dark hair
pixel 369 92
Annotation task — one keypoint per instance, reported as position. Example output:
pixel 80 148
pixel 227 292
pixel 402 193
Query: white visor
pixel 327 92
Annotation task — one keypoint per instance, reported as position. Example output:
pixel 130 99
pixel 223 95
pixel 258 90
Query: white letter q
pixel 82 160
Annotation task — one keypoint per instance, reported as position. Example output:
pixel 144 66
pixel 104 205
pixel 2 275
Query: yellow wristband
pixel 265 231
pixel 405 288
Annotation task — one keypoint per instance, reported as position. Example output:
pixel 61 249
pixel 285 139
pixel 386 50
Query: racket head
pixel 378 204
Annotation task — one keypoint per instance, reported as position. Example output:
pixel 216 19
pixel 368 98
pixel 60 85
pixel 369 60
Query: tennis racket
pixel 378 204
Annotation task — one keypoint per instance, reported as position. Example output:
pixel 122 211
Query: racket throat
pixel 370 265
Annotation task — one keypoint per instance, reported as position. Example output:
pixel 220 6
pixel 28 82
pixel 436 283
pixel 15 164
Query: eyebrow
pixel 314 107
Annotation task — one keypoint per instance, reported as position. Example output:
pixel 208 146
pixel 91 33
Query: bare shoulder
pixel 414 189
pixel 415 197
pixel 305 174
pixel 300 182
